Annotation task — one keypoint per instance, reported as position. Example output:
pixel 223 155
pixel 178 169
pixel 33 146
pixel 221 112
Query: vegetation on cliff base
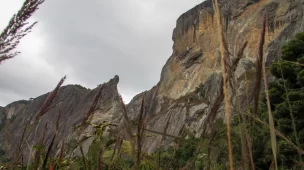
pixel 287 104
pixel 111 151
pixel 286 96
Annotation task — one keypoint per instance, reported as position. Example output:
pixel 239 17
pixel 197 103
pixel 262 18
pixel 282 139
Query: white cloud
pixel 7 9
pixel 90 42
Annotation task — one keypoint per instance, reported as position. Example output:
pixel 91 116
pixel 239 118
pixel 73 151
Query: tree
pixel 17 28
pixel 287 103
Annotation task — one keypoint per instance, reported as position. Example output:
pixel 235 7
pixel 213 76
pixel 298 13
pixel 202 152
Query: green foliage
pixel 262 152
pixel 287 104
pixel 177 157
pixel 187 151
pixel 219 156
pixel 300 78
pixel 294 49
pixel 287 100
pixel 284 69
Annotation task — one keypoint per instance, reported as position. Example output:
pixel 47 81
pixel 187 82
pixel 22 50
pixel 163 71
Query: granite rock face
pixel 190 79
pixel 72 103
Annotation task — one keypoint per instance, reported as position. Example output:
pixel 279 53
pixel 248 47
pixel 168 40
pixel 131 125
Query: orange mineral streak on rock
pixel 189 84
pixel 195 31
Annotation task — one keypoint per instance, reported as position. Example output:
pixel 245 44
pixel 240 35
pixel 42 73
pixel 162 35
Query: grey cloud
pixel 20 80
pixel 97 39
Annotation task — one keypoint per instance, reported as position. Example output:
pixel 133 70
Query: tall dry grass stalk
pixel 100 156
pixel 246 145
pixel 271 121
pixel 259 64
pixel 29 125
pixel 127 125
pixel 224 57
pixel 217 102
pixel 162 141
pixel 83 157
pixel 8 130
pixel 262 65
pixel 247 158
pixel 60 156
pixel 277 132
pixel 248 140
pixel 49 100
pixel 49 150
pixel 94 104
pixel 153 131
pixel 37 154
pixel 48 153
pixel 290 110
pixel 126 119
pixel 140 132
pixel 120 148
pixel 17 28
pixel 45 108
pixel 258 76
pixel 115 148
pixel 18 151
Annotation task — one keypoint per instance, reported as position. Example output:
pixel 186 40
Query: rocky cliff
pixel 190 80
pixel 73 103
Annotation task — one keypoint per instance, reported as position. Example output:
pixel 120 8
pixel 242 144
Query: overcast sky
pixel 90 41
